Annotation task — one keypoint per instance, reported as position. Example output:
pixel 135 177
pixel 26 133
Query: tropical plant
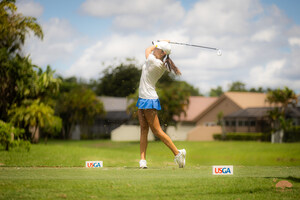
pixel 281 98
pixel 79 106
pixel 14 27
pixel 12 137
pixel 34 114
pixel 17 74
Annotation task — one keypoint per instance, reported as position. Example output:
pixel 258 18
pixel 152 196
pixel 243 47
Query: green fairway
pixel 56 171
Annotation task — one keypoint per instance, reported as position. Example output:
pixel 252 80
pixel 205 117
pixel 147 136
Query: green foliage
pixel 34 114
pixel 14 27
pixel 237 86
pixel 216 92
pixel 11 137
pixel 258 90
pixel 174 99
pixel 292 135
pixel 79 106
pixel 241 136
pixel 120 81
pixel 281 98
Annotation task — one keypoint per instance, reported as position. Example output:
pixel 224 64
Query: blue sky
pixel 260 39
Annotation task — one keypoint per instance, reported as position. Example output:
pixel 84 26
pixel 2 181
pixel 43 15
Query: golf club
pixel 219 52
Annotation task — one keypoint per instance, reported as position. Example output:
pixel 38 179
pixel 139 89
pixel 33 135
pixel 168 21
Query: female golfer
pixel 157 62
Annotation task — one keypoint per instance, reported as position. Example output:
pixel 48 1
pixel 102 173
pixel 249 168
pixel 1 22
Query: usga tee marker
pixel 222 170
pixel 93 164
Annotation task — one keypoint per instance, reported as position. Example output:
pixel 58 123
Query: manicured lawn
pixel 56 171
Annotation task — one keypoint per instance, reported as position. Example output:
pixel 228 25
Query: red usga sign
pixel 223 170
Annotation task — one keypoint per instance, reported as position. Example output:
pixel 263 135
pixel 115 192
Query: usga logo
pixel 223 170
pixel 93 164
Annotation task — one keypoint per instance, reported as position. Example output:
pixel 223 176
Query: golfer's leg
pixel 153 122
pixel 144 134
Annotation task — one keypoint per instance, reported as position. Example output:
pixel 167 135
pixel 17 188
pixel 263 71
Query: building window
pixel 246 123
pixel 226 123
pixel 240 123
pixel 252 123
pixel 232 123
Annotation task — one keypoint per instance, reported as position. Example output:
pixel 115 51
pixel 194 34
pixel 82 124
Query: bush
pixel 292 135
pixel 10 137
pixel 241 136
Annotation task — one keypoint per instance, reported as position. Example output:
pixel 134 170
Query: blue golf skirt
pixel 148 104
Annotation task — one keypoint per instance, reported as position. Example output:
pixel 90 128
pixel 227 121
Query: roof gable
pixel 242 100
pixel 196 105
pixel 248 99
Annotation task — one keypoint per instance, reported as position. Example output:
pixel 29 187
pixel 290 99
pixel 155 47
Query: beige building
pixel 228 103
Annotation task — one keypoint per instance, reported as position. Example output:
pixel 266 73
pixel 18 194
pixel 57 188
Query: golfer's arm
pixel 149 50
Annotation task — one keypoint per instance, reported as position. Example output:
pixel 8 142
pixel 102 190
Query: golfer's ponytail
pixel 171 66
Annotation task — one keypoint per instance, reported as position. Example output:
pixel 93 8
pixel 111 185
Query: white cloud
pixel 266 35
pixel 219 18
pixel 30 8
pixel 90 63
pixel 136 14
pixel 269 74
pixel 294 41
pixel 59 44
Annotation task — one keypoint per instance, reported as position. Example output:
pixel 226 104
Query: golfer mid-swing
pixel 157 62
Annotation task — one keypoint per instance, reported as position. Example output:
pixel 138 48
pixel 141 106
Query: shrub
pixel 241 136
pixel 10 137
pixel 292 135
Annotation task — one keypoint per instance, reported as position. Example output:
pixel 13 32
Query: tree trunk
pixel 223 129
pixel 35 133
pixel 277 136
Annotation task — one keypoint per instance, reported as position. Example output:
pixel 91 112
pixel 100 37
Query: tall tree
pixel 237 86
pixel 282 98
pixel 78 106
pixel 120 81
pixel 216 92
pixel 16 72
pixel 14 27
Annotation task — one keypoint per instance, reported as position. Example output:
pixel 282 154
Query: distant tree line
pixel 236 86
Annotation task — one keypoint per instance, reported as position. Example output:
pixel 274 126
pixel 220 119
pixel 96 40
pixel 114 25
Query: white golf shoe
pixel 180 158
pixel 143 164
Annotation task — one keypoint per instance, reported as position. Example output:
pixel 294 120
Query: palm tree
pixel 281 98
pixel 34 114
pixel 15 27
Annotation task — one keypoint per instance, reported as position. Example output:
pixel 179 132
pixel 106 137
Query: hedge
pixel 241 136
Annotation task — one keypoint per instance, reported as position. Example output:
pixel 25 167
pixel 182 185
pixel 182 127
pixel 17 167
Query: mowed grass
pixel 56 171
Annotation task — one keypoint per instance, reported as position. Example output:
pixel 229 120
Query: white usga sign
pixel 222 170
pixel 93 164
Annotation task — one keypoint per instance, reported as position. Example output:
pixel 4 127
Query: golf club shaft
pixel 193 45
